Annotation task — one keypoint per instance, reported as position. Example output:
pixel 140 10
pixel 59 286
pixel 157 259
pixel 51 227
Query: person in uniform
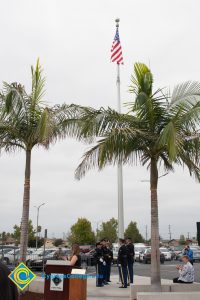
pixel 106 261
pixel 98 256
pixel 123 262
pixel 109 259
pixel 131 258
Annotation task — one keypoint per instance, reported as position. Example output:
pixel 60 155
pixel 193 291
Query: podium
pixel 58 284
pixel 78 286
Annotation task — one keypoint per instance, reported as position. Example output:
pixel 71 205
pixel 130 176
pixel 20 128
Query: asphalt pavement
pixel 168 270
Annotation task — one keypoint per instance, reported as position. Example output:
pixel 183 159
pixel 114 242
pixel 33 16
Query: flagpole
pixel 119 167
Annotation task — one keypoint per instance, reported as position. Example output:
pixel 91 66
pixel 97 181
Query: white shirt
pixel 187 273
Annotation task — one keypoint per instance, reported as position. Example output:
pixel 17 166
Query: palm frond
pixel 187 91
pixel 189 156
pixel 141 79
pixel 38 84
pixel 171 139
pixel 121 145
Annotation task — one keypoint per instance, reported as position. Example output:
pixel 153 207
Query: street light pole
pixel 38 210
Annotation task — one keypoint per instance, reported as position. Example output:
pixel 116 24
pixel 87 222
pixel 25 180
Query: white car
pixel 167 253
pixel 13 256
pixel 139 248
pixel 4 251
pixel 115 256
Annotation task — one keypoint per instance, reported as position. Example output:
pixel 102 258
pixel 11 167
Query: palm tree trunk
pixel 155 252
pixel 25 211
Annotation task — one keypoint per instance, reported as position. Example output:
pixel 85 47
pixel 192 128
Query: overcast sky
pixel 73 41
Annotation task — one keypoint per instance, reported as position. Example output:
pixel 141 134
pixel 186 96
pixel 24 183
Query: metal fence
pixel 36 260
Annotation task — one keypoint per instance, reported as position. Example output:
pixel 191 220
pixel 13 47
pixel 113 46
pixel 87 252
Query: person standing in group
pixel 98 256
pixel 130 258
pixel 109 259
pixel 123 262
pixel 106 260
pixel 189 253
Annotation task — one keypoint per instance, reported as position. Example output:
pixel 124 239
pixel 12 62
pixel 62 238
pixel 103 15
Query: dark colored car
pixel 86 248
pixel 38 261
pixel 147 256
pixel 87 259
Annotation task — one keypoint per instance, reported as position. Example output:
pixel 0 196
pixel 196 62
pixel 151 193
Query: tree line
pixel 81 232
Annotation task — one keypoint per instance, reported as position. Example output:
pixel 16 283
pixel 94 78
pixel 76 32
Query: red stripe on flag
pixel 116 52
pixel 114 46
pixel 118 56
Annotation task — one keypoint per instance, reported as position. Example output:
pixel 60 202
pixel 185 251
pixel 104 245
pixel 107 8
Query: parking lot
pixel 168 270
pixel 35 261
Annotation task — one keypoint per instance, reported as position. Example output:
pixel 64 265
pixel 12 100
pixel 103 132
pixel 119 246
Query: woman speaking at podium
pixel 75 258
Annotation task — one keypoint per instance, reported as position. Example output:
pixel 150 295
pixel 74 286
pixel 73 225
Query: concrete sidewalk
pixel 112 291
pixel 108 292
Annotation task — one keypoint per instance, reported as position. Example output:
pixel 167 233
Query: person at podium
pixel 75 258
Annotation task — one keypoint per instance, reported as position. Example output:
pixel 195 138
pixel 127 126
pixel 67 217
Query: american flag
pixel 116 51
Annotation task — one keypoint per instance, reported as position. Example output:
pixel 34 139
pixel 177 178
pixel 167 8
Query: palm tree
pixel 27 122
pixel 154 133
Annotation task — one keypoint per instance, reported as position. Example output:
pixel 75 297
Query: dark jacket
pixel 131 252
pixel 98 256
pixel 123 255
pixel 110 253
pixel 106 254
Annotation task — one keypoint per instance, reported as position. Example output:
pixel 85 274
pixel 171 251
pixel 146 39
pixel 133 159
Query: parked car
pixel 13 256
pixel 3 252
pixel 172 253
pixel 86 248
pixel 35 261
pixel 146 256
pixel 177 250
pixel 87 259
pixel 167 253
pixel 196 254
pixel 115 256
pixel 141 254
pixel 139 249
